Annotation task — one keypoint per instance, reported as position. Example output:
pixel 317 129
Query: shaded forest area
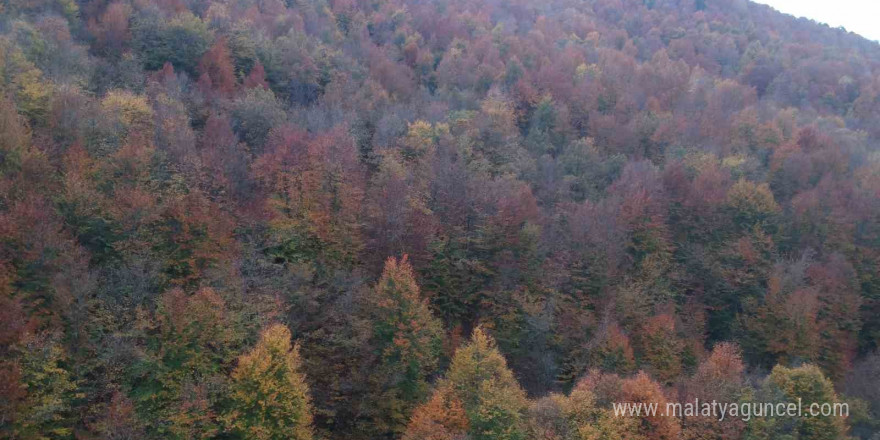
pixel 433 220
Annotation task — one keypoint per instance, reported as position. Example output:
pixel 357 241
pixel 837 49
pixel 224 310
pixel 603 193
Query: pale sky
pixel 859 16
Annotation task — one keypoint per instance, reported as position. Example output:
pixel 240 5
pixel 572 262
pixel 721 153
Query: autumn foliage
pixel 441 220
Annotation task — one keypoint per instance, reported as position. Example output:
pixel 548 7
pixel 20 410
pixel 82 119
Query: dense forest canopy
pixel 433 219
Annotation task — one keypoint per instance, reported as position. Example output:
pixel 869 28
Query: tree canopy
pixel 445 220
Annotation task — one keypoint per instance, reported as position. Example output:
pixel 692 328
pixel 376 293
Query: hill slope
pixel 456 208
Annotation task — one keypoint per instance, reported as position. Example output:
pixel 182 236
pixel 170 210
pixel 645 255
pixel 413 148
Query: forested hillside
pixel 433 219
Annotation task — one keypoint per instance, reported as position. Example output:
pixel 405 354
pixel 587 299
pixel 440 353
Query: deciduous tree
pixel 269 397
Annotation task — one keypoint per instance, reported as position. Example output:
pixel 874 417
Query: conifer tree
pixel 407 340
pixel 187 339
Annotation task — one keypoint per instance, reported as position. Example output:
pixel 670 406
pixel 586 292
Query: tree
pixel 224 160
pixel 493 402
pixel 45 410
pixel 217 65
pixel 441 418
pixel 861 383
pixel 25 82
pixel 112 28
pixel 781 325
pixel 131 114
pixel 751 204
pixel 641 389
pixel 181 41
pixel 15 138
pixel 407 340
pixel 720 378
pixel 839 304
pixel 806 384
pixel 176 379
pixel 291 69
pixel 254 114
pixel 579 416
pixel 256 77
pixel 398 219
pixel 590 407
pixel 661 348
pixel 315 187
pixel 120 421
pixel 544 134
pixel 269 397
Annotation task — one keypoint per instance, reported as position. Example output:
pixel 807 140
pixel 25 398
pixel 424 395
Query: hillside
pixel 434 219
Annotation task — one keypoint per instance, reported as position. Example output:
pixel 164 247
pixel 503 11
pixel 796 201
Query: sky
pixel 859 16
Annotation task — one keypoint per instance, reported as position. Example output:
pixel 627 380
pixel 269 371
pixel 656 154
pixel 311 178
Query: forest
pixel 434 219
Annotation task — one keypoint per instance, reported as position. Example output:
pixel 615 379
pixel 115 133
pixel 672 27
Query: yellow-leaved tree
pixel 269 397
pixel 478 399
